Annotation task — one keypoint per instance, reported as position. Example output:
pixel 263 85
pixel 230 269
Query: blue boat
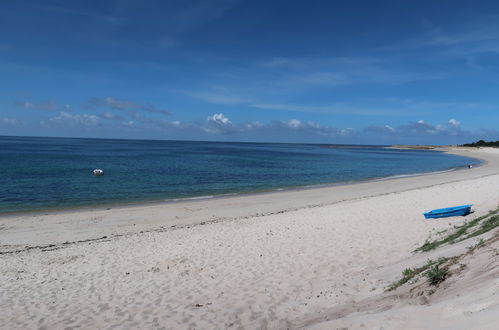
pixel 448 212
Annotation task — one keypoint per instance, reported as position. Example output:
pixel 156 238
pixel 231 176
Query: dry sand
pixel 277 260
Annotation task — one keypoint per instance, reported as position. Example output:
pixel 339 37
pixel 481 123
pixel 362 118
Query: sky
pixel 352 72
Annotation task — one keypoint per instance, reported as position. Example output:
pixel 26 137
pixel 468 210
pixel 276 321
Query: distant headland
pixel 482 143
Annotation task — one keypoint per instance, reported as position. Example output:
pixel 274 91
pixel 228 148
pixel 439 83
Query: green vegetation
pixel 467 230
pixel 436 275
pixel 482 143
pixel 411 273
pixel 486 226
pixel 432 269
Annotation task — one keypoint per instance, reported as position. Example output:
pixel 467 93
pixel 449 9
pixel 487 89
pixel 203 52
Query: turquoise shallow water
pixel 53 173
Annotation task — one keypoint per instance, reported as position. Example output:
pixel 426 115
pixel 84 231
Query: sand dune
pixel 263 261
pixel 468 299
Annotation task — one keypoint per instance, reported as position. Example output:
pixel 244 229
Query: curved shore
pixel 54 227
pixel 80 193
pixel 256 261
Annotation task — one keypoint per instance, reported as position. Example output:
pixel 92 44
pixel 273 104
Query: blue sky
pixel 227 70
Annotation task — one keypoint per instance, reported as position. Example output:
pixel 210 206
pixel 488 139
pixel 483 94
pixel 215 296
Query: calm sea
pixel 55 173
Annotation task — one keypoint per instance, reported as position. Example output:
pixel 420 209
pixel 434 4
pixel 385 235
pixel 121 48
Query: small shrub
pixel 408 272
pixel 436 275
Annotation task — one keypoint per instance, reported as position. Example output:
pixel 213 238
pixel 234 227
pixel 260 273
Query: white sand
pixel 261 261
pixel 468 299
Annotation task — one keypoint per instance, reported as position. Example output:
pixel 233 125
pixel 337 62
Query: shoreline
pixel 269 261
pixel 155 202
pixel 188 212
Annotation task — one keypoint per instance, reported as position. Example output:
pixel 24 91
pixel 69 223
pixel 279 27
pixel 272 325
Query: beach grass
pixel 469 229
pixel 432 269
pixel 412 273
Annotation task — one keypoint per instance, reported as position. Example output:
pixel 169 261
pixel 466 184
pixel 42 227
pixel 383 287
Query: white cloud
pixel 66 118
pixel 129 123
pixel 389 128
pixel 422 132
pixel 113 117
pixel 294 130
pixel 381 130
pixel 44 105
pixel 312 124
pixel 108 115
pixel 218 124
pixel 177 125
pixel 252 125
pixel 219 118
pixel 454 123
pixel 293 123
pixel 347 131
pixel 10 121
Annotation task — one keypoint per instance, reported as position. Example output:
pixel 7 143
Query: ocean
pixel 56 173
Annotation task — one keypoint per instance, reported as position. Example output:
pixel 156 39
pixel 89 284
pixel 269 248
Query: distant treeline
pixel 482 143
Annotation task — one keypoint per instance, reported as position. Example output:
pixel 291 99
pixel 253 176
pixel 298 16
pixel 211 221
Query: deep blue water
pixel 46 173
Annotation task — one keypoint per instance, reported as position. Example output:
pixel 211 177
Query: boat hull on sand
pixel 448 212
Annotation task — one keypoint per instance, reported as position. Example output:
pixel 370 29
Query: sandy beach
pixel 290 259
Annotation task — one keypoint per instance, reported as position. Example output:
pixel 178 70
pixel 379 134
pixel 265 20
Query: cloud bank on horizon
pixel 234 70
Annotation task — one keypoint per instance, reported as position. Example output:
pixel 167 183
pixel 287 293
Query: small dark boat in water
pixel 448 212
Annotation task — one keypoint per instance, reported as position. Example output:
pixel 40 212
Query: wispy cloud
pixel 124 105
pixel 466 41
pixel 74 120
pixel 341 71
pixel 111 116
pixel 417 104
pixel 269 84
pixel 218 97
pixel 424 130
pixel 327 109
pixel 197 13
pixel 10 121
pixel 361 107
pixel 135 115
pixel 224 97
pixel 481 34
pixel 65 10
pixel 44 105
pixel 172 21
